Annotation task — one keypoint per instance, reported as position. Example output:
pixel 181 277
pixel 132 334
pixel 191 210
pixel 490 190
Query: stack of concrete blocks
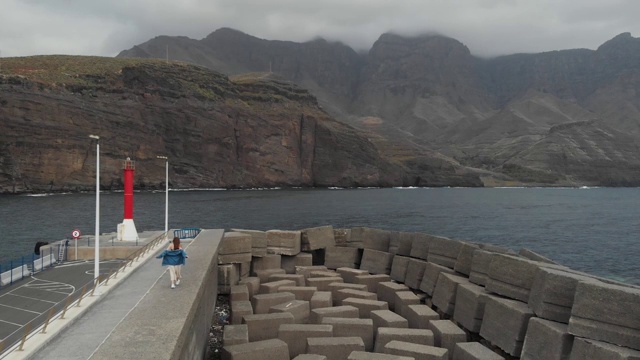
pixel 235 334
pixel 274 349
pixel 234 256
pixel 532 255
pixel 530 308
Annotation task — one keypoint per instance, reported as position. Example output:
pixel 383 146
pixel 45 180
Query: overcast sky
pixel 487 27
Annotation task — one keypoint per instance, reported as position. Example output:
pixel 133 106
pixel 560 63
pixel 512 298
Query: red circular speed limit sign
pixel 75 233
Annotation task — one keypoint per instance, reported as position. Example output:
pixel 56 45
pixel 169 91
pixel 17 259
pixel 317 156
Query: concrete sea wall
pixel 364 293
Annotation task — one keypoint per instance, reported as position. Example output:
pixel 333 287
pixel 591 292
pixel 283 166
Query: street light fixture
pixel 166 196
pixel 96 267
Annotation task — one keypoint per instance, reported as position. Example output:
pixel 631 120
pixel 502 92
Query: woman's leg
pixel 178 274
pixel 172 274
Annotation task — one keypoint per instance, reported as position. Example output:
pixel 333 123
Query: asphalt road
pixel 32 297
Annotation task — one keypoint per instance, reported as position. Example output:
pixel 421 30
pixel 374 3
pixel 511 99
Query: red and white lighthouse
pixel 127 230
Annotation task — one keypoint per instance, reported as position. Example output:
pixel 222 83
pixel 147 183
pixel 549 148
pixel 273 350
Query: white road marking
pixel 9 322
pixel 13 307
pixel 32 298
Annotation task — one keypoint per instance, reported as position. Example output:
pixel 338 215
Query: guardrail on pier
pixel 17 269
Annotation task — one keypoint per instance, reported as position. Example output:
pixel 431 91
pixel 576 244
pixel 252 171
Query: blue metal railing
pixel 186 233
pixel 20 268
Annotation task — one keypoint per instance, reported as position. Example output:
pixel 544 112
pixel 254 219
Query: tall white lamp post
pixel 96 267
pixel 166 196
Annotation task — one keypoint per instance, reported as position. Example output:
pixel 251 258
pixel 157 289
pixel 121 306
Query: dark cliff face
pixel 250 132
pixel 426 97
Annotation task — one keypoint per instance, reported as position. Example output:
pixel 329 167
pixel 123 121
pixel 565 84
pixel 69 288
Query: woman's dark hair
pixel 176 243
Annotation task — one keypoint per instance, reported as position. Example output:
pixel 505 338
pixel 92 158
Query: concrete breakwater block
pixel 532 255
pixel 264 275
pixel 399 268
pixel 306 270
pixel 273 286
pixel 273 349
pixel 376 262
pixel 387 292
pixel 344 311
pixel 400 243
pixel 310 357
pixel 446 334
pixel 296 335
pixel 235 334
pixel 342 237
pixel 334 287
pixel 323 273
pixel 387 318
pixel 321 299
pixel 402 299
pixel 335 348
pixel 265 326
pixel 420 246
pixel 511 276
pixel 235 243
pixel 245 269
pixel 258 241
pixel 430 276
pixel 480 267
pixel 414 336
pixel 317 238
pixel 262 302
pixel 444 251
pixel 239 293
pixel 373 239
pixel 349 274
pixel 416 351
pixel 465 257
pixel 239 309
pixel 252 284
pixel 546 340
pixel 289 263
pixel 420 315
pixel 505 324
pixel 552 293
pixel 415 272
pixel 444 294
pixel 267 262
pixel 296 278
pixel 363 355
pixel 607 312
pixel 228 276
pixel 469 308
pixel 584 349
pixel 298 308
pixel 346 327
pixel 372 281
pixel 341 257
pixel 343 294
pixel 283 242
pixel 322 283
pixel 300 292
pixel 474 351
pixel 365 307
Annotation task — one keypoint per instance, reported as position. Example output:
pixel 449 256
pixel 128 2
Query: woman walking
pixel 174 257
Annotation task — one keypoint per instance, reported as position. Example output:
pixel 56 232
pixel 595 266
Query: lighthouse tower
pixel 127 230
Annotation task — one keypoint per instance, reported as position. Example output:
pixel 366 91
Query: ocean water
pixel 595 230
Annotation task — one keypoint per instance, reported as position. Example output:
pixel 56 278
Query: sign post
pixel 76 235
